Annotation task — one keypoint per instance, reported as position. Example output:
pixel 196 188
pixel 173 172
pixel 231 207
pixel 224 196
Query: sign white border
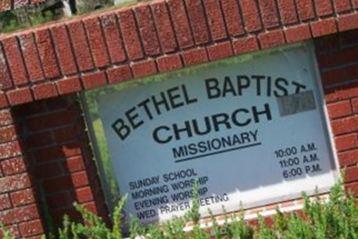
pixel 323 115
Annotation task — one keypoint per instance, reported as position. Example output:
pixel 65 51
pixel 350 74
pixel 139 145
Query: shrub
pixel 5 233
pixel 336 218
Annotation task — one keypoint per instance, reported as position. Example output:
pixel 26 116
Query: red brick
pixel 341 93
pixel 60 200
pixel 298 33
pixel 337 58
pixel 180 23
pixel 323 7
pixel 47 53
pixel 347 22
pixel 96 41
pixel 44 90
pixel 113 38
pixel 65 134
pixel 5 79
pixel 339 109
pixel 355 4
pixel 346 142
pixel 14 182
pixel 31 57
pixel 71 149
pixel 57 214
pixel 69 85
pixel 144 68
pixel 345 125
pixel 215 19
pixel 352 188
pixel 5 117
pixel 244 45
pixel 269 13
pixel 327 44
pixel 13 229
pixel 220 51
pixel 351 174
pixel 355 105
pixel 48 170
pixel 94 80
pixel 305 9
pixel 271 39
pixel 31 228
pixel 13 166
pixel 7 134
pixel 22 197
pixel 74 164
pixel 197 21
pixel 164 26
pixel 35 140
pixel 3 101
pixel 251 15
pixel 195 56
pixel 169 63
pixel 29 109
pixel 5 5
pixel 80 46
pixel 79 179
pixel 54 119
pixel 323 27
pixel 91 206
pixel 63 48
pixel 232 17
pixel 118 74
pixel 348 158
pixel 130 35
pixel 19 96
pixel 14 58
pixel 342 5
pixel 48 154
pixel 84 195
pixel 147 30
pixel 58 184
pixel 4 202
pixel 339 75
pixel 20 214
pixel 287 11
pixel 58 103
pixel 349 38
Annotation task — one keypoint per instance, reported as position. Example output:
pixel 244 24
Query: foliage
pixel 10 22
pixel 5 233
pixel 336 218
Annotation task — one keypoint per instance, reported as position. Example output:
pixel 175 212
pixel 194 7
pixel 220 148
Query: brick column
pixel 57 147
pixel 337 59
pixel 18 208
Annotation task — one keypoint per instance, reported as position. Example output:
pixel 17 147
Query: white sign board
pixel 252 132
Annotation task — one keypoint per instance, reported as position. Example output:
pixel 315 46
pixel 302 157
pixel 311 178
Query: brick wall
pixel 19 209
pixel 117 45
pixel 57 148
pixel 338 61
pixel 44 154
pixel 6 5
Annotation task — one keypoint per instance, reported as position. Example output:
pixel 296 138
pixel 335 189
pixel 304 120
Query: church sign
pixel 250 133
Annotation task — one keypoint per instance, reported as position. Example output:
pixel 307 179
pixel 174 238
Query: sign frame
pixel 328 137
